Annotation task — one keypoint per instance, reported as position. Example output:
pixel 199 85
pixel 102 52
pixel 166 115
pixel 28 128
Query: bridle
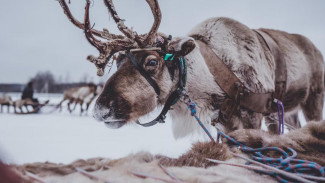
pixel 177 62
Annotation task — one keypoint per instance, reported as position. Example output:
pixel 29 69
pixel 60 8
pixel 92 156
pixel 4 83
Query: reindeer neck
pixel 203 90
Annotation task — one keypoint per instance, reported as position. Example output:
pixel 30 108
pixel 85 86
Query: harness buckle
pixel 162 119
pixel 169 56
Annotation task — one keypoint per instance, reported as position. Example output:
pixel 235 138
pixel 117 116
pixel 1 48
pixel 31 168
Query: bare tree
pixel 44 81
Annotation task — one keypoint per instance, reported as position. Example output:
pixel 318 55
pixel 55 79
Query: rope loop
pixel 285 162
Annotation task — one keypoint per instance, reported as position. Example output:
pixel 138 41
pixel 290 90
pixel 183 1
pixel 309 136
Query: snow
pixel 61 137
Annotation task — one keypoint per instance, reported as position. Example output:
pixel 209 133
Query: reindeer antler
pixel 133 36
pixel 103 34
pixel 155 9
pixel 88 31
pixel 114 43
pixel 107 49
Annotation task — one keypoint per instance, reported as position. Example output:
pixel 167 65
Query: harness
pixel 237 94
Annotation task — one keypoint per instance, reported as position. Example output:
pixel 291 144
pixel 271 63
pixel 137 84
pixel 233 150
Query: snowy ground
pixel 63 137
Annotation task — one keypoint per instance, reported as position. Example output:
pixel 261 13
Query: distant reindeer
pixel 90 98
pixel 234 74
pixel 20 103
pixel 87 100
pixel 5 100
pixel 77 95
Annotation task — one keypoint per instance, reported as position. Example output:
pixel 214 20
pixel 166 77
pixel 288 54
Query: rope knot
pixel 192 107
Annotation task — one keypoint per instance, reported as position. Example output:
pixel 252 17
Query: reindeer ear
pixel 181 46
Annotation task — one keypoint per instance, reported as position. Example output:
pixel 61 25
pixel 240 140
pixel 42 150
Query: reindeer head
pixel 144 79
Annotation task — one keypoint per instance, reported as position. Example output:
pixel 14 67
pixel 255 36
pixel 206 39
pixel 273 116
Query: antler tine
pixel 103 34
pixel 155 9
pixel 91 39
pixel 133 36
pixel 107 49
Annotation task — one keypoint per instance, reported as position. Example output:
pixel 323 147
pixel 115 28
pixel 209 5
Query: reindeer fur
pixel 250 60
pixel 309 142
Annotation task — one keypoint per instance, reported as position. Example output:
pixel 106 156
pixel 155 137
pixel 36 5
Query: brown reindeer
pixel 5 100
pixel 87 100
pixel 20 103
pixel 90 98
pixel 265 63
pixel 77 96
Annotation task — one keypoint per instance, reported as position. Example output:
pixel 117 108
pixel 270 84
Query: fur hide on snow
pixel 309 142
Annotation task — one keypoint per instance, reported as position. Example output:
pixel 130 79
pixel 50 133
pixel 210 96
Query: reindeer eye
pixel 152 63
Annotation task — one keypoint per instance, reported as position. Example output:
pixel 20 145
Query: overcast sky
pixel 35 35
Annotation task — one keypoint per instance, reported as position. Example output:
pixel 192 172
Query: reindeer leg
pixel 87 107
pixel 69 106
pixel 60 104
pixel 271 122
pixel 313 106
pixel 292 121
pixel 71 101
pixel 75 105
pixel 244 118
pixel 26 107
pixel 1 108
pixel 81 109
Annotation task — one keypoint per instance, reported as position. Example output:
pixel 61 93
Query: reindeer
pixel 234 74
pixel 5 100
pixel 78 95
pixel 20 103
pixel 90 98
pixel 87 100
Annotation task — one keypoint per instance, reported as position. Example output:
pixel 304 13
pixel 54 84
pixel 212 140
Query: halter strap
pixel 144 73
pixel 162 116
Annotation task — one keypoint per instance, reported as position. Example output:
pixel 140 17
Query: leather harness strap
pixel 280 64
pixel 144 73
pixel 238 94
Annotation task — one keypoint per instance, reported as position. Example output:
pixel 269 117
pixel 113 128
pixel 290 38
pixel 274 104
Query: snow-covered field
pixel 62 137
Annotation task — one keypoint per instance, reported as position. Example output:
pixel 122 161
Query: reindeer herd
pixel 82 96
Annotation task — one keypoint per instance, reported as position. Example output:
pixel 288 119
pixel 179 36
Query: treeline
pixel 43 82
pixel 55 88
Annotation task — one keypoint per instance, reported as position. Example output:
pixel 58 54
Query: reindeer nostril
pixel 105 116
pixel 100 112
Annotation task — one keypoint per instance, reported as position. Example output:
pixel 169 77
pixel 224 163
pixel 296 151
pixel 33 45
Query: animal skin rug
pixel 309 142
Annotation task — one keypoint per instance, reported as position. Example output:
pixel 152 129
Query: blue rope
pixel 192 107
pixel 285 162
